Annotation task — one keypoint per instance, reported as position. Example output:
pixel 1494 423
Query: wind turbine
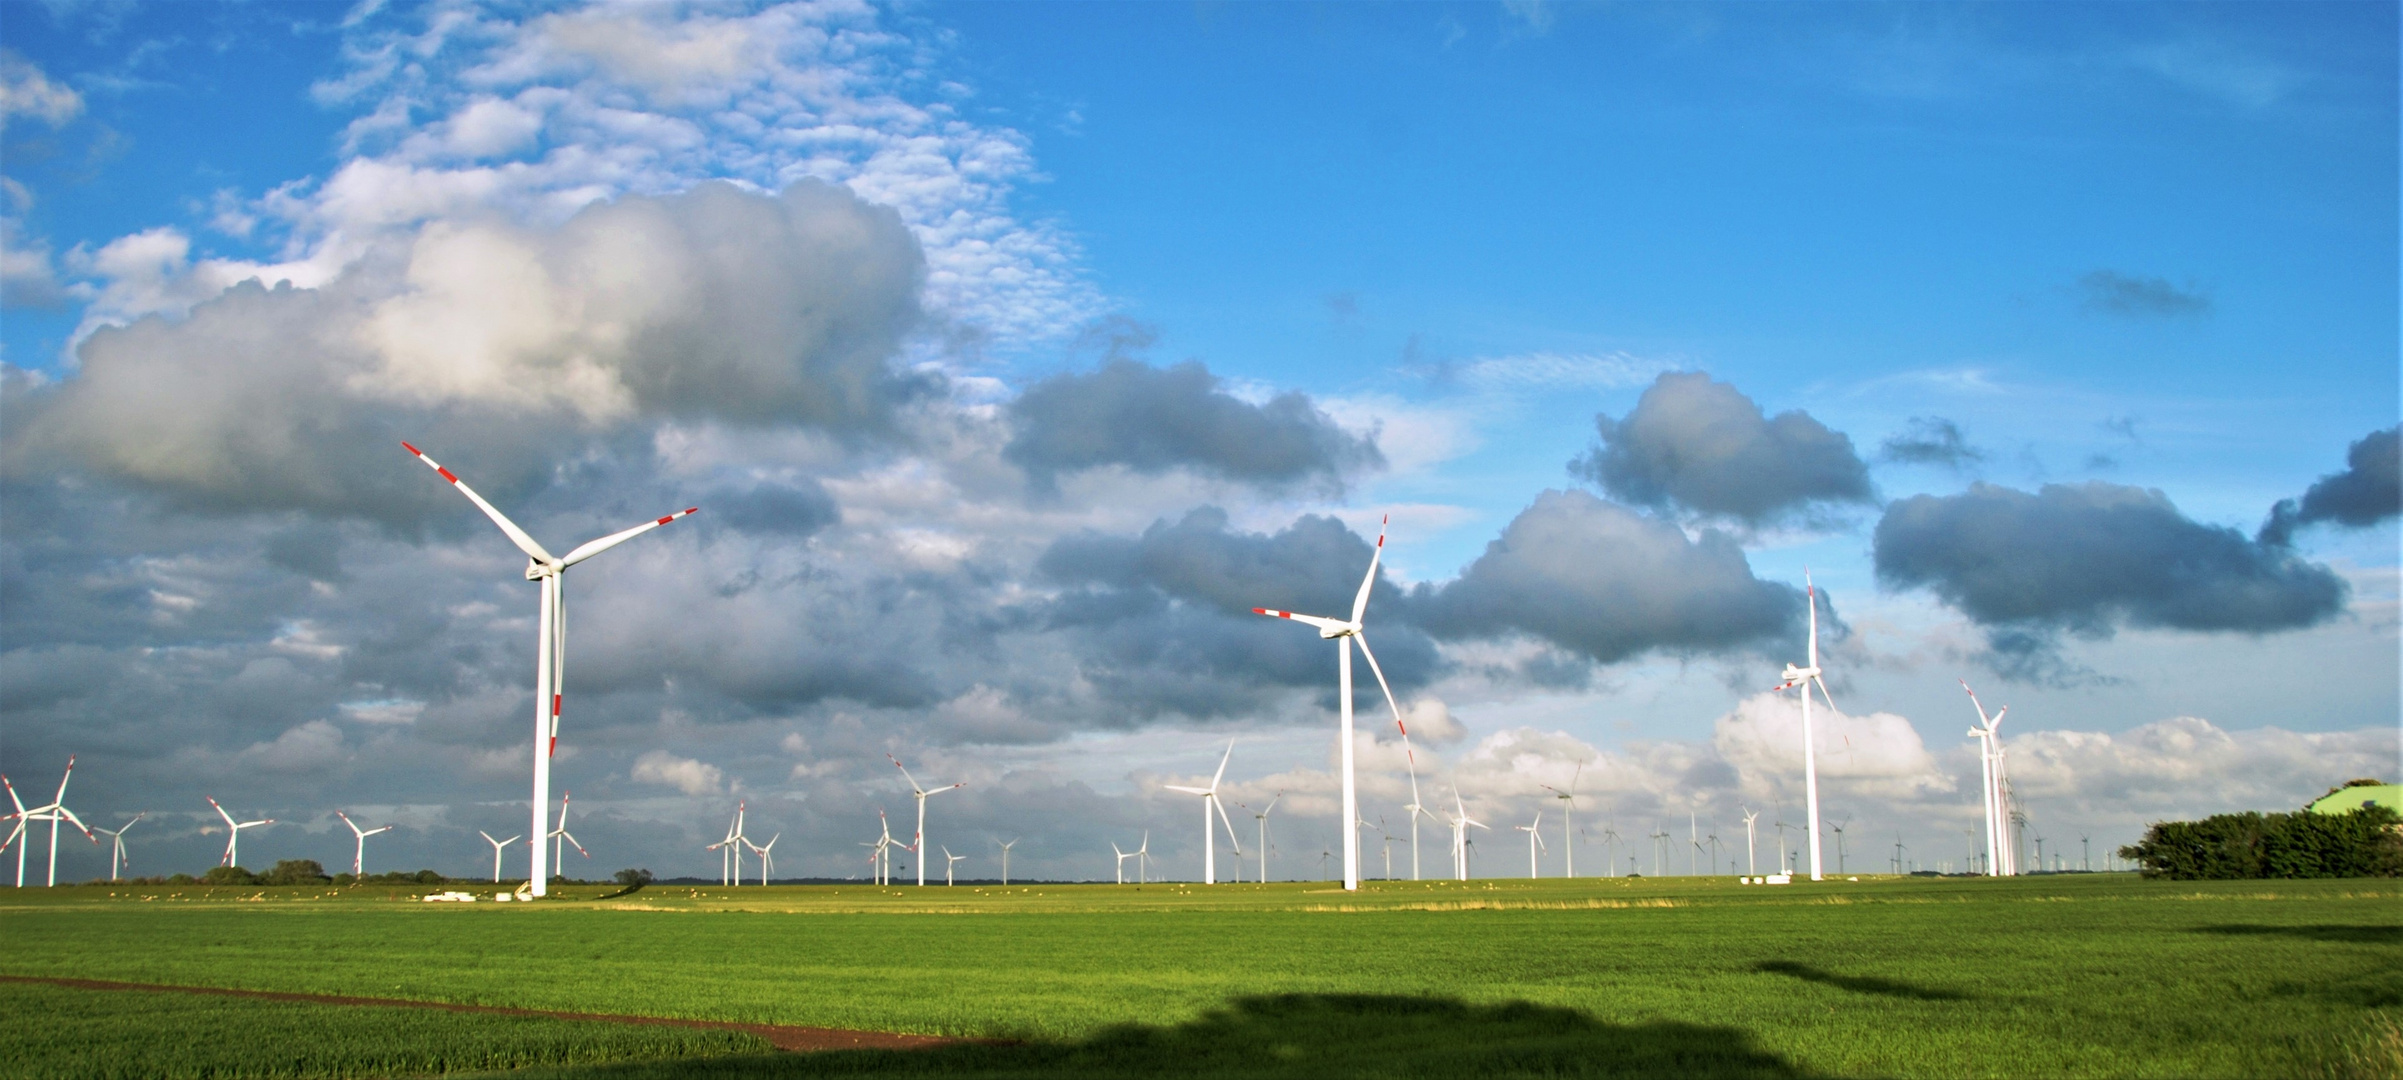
pixel 1568 822
pixel 1343 633
pixel 1143 860
pixel 1807 677
pixel 561 840
pixel 884 849
pixel 1751 865
pixel 1999 862
pixel 1712 838
pixel 1005 860
pixel 1387 834
pixel 1410 756
pixel 1263 818
pixel 53 813
pixel 949 860
pixel 358 858
pixel 767 858
pixel 1839 830
pixel 497 847
pixel 1460 826
pixel 1535 840
pixel 1123 856
pixel 1610 846
pixel 233 832
pixel 1209 797
pixel 550 642
pixel 730 852
pixel 116 837
pixel 1898 850
pixel 1660 847
pixel 1782 868
pixel 921 795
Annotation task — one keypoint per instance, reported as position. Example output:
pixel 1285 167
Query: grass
pixel 2048 976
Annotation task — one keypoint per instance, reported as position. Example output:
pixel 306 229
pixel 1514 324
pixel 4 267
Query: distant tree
pixel 345 879
pixel 2367 842
pixel 228 875
pixel 181 879
pixel 428 877
pixel 631 877
pixel 295 872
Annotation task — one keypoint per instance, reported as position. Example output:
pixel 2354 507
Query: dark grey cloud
pixel 1152 420
pixel 1606 583
pixel 2112 293
pixel 1701 445
pixel 714 304
pixel 2369 491
pixel 1931 440
pixel 2088 558
pixel 789 509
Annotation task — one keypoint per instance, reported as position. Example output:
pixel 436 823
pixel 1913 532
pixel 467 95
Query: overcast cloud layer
pixel 609 262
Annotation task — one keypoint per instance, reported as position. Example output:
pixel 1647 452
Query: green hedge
pixel 2363 843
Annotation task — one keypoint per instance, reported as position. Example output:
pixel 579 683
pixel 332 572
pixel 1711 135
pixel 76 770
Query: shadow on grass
pixel 1859 984
pixel 2341 932
pixel 1294 1035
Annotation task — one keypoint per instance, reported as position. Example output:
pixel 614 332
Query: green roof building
pixel 2348 799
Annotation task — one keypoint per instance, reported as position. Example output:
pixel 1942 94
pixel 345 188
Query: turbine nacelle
pixel 1796 676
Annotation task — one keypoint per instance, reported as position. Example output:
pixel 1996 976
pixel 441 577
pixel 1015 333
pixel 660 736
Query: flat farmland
pixel 2101 975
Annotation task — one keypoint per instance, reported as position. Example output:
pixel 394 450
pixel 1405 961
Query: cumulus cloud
pixel 714 304
pixel 1154 419
pixel 2088 558
pixel 2369 491
pixel 1876 755
pixel 1931 440
pixel 684 774
pixel 1606 583
pixel 2187 766
pixel 1701 445
pixel 2109 292
pixel 26 91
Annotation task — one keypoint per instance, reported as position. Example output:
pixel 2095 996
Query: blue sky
pixel 2116 248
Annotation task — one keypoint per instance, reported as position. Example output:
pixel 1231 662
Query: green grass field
pixel 2049 976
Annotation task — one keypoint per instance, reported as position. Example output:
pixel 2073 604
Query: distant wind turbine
pixel 1568 821
pixel 561 840
pixel 2000 861
pixel 1751 864
pixel 730 851
pixel 116 837
pixel 918 840
pixel 550 642
pixel 767 856
pixel 358 857
pixel 949 860
pixel 1262 816
pixel 53 812
pixel 1460 842
pixel 1806 677
pixel 1209 797
pixel 497 847
pixel 233 832
pixel 1005 860
pixel 1535 840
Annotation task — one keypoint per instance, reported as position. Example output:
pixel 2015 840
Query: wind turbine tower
pixel 1807 677
pixel 550 642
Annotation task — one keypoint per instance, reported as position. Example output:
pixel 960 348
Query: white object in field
pixel 358 857
pixel 550 643
pixel 501 897
pixel 1568 822
pixel 497 847
pixel 233 832
pixel 560 836
pixel 55 812
pixel 2002 857
pixel 1535 839
pixel 918 840
pixel 1209 797
pixel 767 858
pixel 116 855
pixel 1806 677
pixel 1344 633
pixel 1460 826
pixel 1779 879
pixel 1262 816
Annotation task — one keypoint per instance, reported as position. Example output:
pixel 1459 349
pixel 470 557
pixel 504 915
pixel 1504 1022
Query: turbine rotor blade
pixel 591 548
pixel 1380 673
pixel 1320 622
pixel 517 535
pixel 1222 765
pixel 1360 602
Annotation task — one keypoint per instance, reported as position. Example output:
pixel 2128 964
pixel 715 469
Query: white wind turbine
pixel 1568 823
pixel 1750 816
pixel 884 848
pixel 116 855
pixel 233 832
pixel 1343 633
pixel 561 840
pixel 1005 859
pixel 550 642
pixel 358 858
pixel 1535 839
pixel 949 860
pixel 918 840
pixel 54 812
pixel 730 852
pixel 1262 816
pixel 1415 808
pixel 1460 826
pixel 1209 796
pixel 1123 856
pixel 1988 734
pixel 1806 677
pixel 1143 860
pixel 498 846
pixel 767 858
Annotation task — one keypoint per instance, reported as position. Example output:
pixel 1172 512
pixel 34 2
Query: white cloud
pixel 1875 755
pixel 26 91
pixel 313 747
pixel 1545 370
pixel 684 774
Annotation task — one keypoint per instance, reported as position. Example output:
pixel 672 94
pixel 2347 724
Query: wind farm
pixel 1644 375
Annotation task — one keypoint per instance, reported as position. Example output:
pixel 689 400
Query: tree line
pixel 2365 842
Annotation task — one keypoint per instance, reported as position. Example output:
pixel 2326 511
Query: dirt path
pixel 782 1036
